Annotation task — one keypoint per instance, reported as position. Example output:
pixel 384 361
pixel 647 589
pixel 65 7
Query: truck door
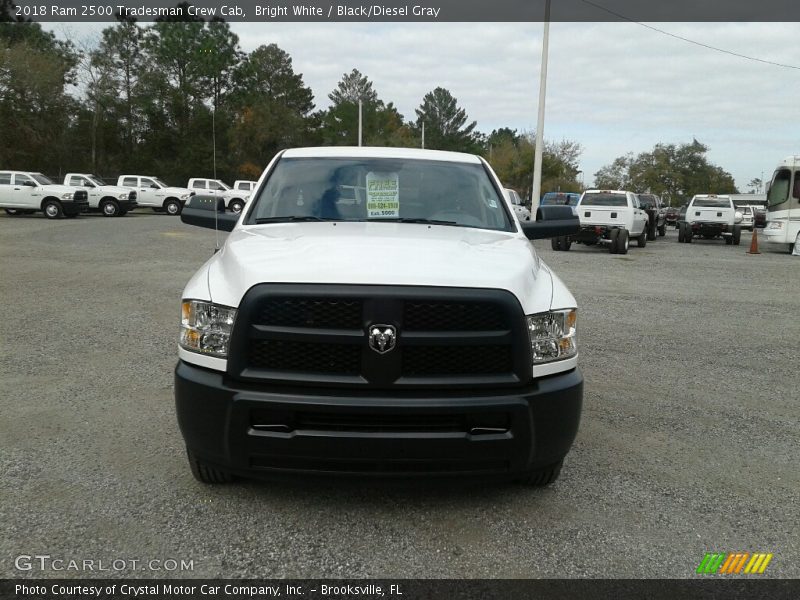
pixel 151 191
pixel 6 189
pixel 25 194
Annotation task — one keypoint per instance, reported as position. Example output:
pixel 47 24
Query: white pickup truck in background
pixel 609 217
pixel 234 199
pixel 711 217
pixel 26 192
pixel 152 192
pixel 246 186
pixel 111 200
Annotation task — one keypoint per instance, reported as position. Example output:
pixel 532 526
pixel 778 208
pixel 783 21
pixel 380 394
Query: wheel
pixel 52 209
pixel 662 231
pixel 737 234
pixel 205 473
pixel 236 206
pixel 623 241
pixel 173 207
pixel 614 237
pixel 542 476
pixel 680 234
pixel 641 241
pixel 110 208
pixel 555 243
pixel 566 243
pixel 687 233
pixel 13 211
pixel 651 231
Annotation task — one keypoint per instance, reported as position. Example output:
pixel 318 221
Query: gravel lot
pixel 689 440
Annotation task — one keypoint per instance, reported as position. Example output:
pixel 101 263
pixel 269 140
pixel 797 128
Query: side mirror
pixel 552 221
pixel 208 212
pixel 29 183
pixel 153 186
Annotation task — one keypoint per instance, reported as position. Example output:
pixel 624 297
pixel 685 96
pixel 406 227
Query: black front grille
pixel 453 316
pixel 319 335
pixel 81 195
pixel 319 313
pixel 456 360
pixel 374 423
pixel 305 357
pixel 132 196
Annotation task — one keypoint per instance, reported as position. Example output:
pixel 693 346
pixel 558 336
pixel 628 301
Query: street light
pixel 536 192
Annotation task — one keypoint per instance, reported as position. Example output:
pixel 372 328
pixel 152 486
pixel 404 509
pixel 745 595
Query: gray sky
pixel 613 87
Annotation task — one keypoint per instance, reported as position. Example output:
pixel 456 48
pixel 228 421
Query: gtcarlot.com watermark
pixel 48 563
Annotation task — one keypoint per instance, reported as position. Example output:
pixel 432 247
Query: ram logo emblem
pixel 382 338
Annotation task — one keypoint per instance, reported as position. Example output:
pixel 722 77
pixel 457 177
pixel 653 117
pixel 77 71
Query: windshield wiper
pixel 293 219
pixel 418 220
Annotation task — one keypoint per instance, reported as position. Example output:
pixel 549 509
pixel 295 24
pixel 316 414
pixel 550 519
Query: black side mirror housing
pixel 552 221
pixel 29 183
pixel 208 212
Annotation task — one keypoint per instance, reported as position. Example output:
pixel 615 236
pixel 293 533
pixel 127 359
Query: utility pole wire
pixel 690 41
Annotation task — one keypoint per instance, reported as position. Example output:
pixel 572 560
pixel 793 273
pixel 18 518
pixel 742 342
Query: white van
pixel 783 204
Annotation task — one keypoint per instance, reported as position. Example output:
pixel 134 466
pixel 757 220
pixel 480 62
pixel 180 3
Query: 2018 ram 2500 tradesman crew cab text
pixel 378 310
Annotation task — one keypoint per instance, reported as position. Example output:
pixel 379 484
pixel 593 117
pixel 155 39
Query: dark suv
pixel 656 218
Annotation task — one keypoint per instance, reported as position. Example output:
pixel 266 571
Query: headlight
pixel 186 197
pixel 552 335
pixel 776 225
pixel 67 196
pixel 124 196
pixel 206 327
pixel 737 217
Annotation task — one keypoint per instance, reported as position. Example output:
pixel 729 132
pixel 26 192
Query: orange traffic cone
pixel 754 243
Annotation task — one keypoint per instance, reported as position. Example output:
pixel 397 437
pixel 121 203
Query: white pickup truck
pixel 408 328
pixel 609 217
pixel 154 193
pixel 111 200
pixel 711 217
pixel 234 199
pixel 25 192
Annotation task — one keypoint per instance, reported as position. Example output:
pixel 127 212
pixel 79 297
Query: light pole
pixel 214 136
pixel 536 193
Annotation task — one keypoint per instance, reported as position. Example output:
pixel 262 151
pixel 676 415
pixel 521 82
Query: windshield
pixel 712 203
pixel 647 201
pixel 218 185
pixel 380 189
pixel 41 179
pixel 604 200
pixel 779 189
pixel 159 182
pixel 96 180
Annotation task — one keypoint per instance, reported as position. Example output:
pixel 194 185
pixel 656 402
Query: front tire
pixel 642 239
pixel 662 231
pixel 236 206
pixel 737 234
pixel 651 232
pixel 205 473
pixel 173 207
pixel 110 208
pixel 555 243
pixel 681 239
pixel 543 476
pixel 687 233
pixel 52 209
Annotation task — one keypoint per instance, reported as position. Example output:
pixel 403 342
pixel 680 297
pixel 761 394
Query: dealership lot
pixel 688 444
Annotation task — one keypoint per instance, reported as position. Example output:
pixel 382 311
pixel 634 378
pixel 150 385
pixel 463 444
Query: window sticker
pixel 383 195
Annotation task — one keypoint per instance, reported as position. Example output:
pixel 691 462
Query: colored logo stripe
pixel 734 563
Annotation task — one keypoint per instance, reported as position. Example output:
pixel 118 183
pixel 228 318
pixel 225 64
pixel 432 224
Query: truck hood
pixel 57 189
pixel 376 254
pixel 114 190
pixel 178 191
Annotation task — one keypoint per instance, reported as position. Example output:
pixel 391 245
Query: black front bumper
pixel 254 430
pixel 74 207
